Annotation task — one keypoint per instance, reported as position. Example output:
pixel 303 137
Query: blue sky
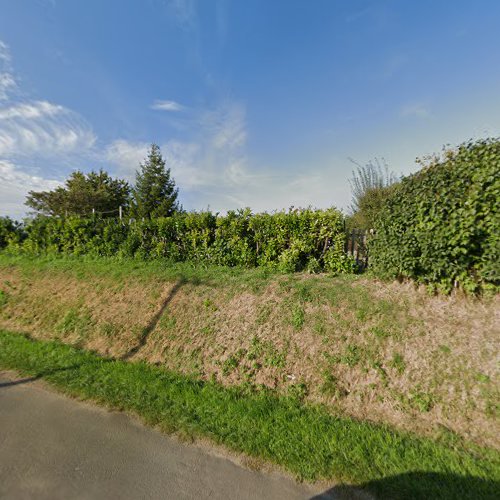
pixel 254 103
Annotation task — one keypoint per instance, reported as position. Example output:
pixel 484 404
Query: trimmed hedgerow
pixel 301 239
pixel 441 226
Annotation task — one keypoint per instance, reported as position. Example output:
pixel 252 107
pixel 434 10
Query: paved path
pixel 52 447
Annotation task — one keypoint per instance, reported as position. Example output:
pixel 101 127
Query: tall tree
pixel 371 184
pixel 154 194
pixel 81 194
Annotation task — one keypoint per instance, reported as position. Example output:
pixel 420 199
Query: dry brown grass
pixel 382 352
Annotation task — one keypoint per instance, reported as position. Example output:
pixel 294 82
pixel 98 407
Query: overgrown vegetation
pixel 371 185
pixel 307 239
pixel 98 194
pixel 306 440
pixel 441 226
pixel 82 194
pixel 10 231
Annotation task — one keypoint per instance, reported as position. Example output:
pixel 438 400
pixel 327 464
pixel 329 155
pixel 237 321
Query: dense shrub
pixel 10 231
pixel 441 226
pixel 296 240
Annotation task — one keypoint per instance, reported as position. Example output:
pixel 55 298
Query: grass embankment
pixel 381 352
pixel 307 440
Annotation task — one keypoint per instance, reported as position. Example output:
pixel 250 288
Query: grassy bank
pixel 304 439
pixel 384 353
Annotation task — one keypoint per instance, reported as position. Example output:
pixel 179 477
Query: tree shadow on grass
pixel 19 381
pixel 418 485
pixel 154 320
pixel 36 377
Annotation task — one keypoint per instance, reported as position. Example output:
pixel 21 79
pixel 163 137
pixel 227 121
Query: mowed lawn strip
pixel 306 440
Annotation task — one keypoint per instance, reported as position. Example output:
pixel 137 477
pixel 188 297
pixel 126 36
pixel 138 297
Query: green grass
pixel 306 440
pixel 120 269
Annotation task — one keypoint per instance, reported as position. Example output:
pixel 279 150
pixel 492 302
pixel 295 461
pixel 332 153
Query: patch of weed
pixel 256 349
pixel 297 391
pixel 4 298
pixel 319 327
pixel 298 317
pixel 75 321
pixel 398 363
pixel 274 357
pixel 265 350
pixel 421 401
pixel 233 361
pixel 380 332
pixel 108 329
pixel 210 305
pixel 331 386
pixel 481 377
pixel 303 291
pixel 263 314
pixel 351 356
pixel 207 330
pixel 167 322
pixel 381 371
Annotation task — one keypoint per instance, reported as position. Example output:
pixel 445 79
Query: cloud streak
pixel 160 105
pixel 15 184
pixel 7 81
pixel 32 131
pixel 42 128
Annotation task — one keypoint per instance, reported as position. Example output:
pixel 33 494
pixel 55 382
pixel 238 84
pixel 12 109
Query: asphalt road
pixel 53 447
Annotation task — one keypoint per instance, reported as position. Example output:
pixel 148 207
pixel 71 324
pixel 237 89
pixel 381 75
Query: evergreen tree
pixel 154 194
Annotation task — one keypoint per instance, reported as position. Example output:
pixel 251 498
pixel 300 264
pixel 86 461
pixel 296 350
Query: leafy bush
pixel 441 226
pixel 290 241
pixel 10 231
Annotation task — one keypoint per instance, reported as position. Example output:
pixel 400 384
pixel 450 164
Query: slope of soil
pixel 380 352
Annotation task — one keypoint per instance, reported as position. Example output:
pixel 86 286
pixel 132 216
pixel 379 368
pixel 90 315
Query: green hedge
pixel 441 226
pixel 296 240
pixel 10 231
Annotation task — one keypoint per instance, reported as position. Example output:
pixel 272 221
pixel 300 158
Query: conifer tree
pixel 155 193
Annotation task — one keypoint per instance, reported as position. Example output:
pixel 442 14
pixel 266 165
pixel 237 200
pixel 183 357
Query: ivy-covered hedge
pixel 441 226
pixel 304 239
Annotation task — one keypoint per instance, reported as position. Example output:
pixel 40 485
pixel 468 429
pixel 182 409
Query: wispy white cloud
pixel 226 126
pixel 126 156
pixel 42 128
pixel 31 131
pixel 167 106
pixel 7 85
pixel 214 170
pixel 7 81
pixel 4 52
pixel 214 157
pixel 15 184
pixel 29 110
